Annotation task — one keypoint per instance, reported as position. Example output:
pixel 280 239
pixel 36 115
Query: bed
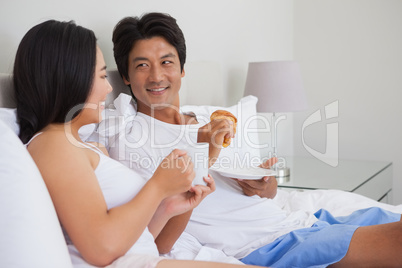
pixel 30 231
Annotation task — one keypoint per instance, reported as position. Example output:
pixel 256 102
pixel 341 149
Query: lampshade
pixel 277 85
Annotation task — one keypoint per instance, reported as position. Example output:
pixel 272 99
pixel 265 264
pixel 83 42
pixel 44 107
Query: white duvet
pixel 296 206
pixel 228 225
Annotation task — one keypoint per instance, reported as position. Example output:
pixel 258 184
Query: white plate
pixel 246 173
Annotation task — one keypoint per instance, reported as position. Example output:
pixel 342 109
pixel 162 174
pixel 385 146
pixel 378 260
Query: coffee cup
pixel 199 155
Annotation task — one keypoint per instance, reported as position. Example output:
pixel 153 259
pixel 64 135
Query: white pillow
pixel 9 117
pixel 244 149
pixel 30 233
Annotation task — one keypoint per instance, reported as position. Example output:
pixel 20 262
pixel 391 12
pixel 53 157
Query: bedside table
pixel 369 178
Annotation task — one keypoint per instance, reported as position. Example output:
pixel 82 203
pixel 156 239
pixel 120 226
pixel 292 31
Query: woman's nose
pixel 109 88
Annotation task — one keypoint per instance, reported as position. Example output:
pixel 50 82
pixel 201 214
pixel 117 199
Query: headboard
pixel 204 78
pixel 7 98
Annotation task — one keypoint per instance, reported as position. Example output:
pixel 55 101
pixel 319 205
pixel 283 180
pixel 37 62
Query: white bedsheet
pixel 264 219
pixel 339 203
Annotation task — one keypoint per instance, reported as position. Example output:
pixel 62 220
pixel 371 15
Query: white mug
pixel 199 154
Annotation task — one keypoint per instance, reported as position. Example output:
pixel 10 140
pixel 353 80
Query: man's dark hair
pixel 131 29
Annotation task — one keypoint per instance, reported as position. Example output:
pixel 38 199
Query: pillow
pixel 9 117
pixel 29 229
pixel 244 149
pixel 114 120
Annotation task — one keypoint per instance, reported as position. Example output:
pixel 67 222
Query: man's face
pixel 154 74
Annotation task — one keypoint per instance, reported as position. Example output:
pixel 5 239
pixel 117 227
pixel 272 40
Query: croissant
pixel 222 114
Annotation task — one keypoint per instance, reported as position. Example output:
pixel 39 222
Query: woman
pixel 109 214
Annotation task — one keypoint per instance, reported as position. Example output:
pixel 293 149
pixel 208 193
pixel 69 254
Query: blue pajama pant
pixel 320 245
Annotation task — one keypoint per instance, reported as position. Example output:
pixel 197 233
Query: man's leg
pixel 375 246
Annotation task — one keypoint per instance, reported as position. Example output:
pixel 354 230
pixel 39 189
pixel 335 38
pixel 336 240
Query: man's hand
pixel 265 187
pixel 214 133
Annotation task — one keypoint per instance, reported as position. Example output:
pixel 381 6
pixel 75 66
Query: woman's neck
pixel 70 129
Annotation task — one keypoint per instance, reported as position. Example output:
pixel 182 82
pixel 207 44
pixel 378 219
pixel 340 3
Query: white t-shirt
pixel 145 142
pixel 226 220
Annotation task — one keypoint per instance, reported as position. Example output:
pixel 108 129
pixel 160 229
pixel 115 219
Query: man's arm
pixel 265 187
pixel 171 232
pixel 214 133
pixel 175 226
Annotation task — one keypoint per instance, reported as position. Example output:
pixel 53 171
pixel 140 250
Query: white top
pixel 119 185
pixel 145 142
pixel 227 219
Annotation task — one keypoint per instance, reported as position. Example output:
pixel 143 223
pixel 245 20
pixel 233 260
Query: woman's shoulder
pixel 101 147
pixel 56 145
pixel 53 139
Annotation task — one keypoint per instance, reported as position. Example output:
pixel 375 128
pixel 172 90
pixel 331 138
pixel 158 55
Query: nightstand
pixel 369 178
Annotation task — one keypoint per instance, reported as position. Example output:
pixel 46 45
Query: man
pixel 151 62
pixel 150 55
pixel 153 69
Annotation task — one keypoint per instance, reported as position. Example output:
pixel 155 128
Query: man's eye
pixel 142 65
pixel 167 62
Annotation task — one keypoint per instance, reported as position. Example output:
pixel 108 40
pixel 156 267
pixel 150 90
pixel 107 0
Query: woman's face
pixel 100 88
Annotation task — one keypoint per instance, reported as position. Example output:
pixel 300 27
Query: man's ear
pixel 183 73
pixel 126 81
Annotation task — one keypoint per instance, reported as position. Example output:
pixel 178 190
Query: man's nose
pixel 156 74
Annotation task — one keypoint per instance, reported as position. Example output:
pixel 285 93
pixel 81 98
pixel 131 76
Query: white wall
pixel 228 32
pixel 351 51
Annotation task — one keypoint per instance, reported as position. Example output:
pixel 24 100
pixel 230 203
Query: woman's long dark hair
pixel 53 72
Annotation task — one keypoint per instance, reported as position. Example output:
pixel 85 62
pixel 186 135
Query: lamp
pixel 279 88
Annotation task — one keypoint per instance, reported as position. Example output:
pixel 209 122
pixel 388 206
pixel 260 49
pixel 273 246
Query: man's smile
pixel 157 91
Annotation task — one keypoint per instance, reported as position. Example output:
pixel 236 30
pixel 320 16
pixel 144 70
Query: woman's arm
pixel 100 235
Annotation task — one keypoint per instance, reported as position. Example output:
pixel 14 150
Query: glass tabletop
pixel 311 173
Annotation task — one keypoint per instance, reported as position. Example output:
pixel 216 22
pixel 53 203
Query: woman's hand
pixel 265 187
pixel 173 213
pixel 214 133
pixel 175 173
pixel 183 202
